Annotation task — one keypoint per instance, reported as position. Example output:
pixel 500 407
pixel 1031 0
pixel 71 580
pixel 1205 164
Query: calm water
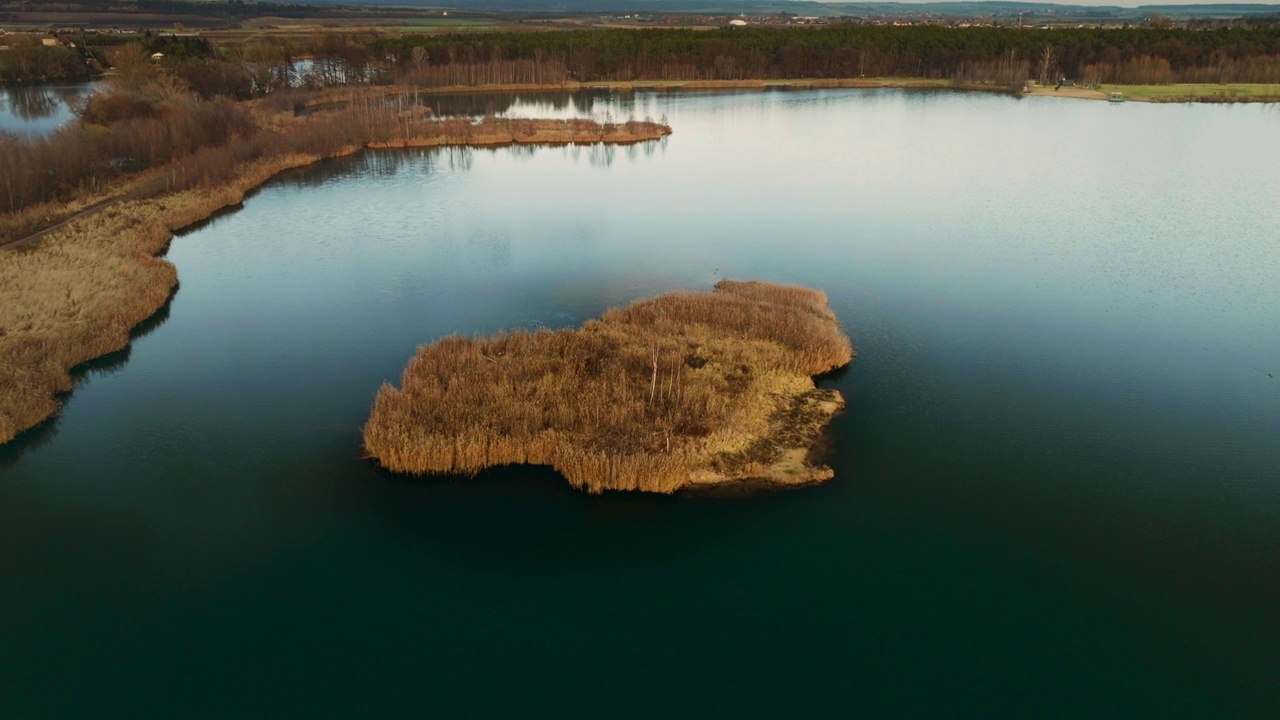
pixel 1056 487
pixel 40 109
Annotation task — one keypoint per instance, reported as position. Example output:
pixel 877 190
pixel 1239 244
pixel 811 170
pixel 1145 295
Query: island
pixel 685 390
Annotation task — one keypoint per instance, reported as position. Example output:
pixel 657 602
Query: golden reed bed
pixel 683 390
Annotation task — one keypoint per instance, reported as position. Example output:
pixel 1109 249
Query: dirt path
pixel 1067 92
pixel 131 194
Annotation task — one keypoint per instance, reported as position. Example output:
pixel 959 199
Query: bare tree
pixel 1048 61
pixel 134 68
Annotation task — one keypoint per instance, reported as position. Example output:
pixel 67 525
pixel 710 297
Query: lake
pixel 41 109
pixel 1056 490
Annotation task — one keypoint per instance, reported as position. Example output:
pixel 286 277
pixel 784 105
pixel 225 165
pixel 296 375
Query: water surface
pixel 40 109
pixel 1055 495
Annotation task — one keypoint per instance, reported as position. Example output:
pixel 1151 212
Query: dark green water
pixel 1056 494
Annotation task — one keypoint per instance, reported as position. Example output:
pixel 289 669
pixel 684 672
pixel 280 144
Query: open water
pixel 1057 482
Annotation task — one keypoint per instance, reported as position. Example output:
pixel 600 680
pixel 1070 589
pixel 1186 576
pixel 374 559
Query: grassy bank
pixel 1197 92
pixel 1178 92
pixel 74 293
pixel 683 390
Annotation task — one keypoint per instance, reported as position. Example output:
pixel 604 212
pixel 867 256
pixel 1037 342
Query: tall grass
pixel 684 389
pixel 77 293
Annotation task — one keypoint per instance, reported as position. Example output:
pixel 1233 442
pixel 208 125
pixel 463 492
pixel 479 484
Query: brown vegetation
pixel 687 389
pixel 74 293
pixel 200 143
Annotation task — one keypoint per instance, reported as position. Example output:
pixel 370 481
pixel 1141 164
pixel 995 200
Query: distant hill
pixel 1035 12
pixel 837 9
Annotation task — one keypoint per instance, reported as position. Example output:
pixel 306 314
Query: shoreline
pixel 744 84
pixel 1223 94
pixel 72 293
pixel 1212 93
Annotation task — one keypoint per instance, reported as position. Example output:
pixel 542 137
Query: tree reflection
pixel 523 151
pixel 460 158
pixel 601 155
pixel 31 102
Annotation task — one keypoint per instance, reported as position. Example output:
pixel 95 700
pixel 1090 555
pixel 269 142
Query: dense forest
pixel 1142 55
pixel 26 59
pixel 1132 55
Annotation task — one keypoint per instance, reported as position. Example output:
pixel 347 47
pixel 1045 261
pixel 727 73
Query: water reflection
pixel 388 164
pixel 544 104
pixel 603 106
pixel 601 155
pixel 460 158
pixel 40 109
pixel 32 102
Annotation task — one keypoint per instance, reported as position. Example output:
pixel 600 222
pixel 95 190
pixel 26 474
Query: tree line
pixel 28 59
pixel 1147 55
pixel 1131 55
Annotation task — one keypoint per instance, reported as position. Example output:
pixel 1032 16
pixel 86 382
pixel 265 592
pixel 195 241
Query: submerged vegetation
pixel 683 390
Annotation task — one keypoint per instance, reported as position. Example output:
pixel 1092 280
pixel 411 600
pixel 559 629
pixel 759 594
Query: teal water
pixel 1056 488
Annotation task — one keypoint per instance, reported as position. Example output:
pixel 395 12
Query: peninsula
pixel 684 390
pixel 79 268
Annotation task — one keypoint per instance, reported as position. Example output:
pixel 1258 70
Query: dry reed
pixel 687 389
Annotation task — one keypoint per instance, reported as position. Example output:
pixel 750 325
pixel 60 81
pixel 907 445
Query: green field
pixel 1195 90
pixel 430 24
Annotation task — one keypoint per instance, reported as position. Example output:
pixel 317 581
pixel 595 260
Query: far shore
pixel 1172 93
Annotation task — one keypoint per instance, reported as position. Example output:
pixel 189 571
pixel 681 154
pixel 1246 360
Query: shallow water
pixel 1056 490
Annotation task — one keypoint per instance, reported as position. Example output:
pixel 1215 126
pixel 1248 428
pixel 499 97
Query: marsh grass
pixel 684 389
pixel 78 292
